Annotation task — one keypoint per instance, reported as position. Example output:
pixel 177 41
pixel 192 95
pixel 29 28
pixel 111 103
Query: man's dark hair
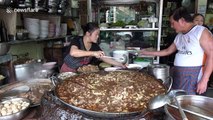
pixel 181 13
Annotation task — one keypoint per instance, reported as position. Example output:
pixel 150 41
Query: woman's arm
pixel 76 52
pixel 112 62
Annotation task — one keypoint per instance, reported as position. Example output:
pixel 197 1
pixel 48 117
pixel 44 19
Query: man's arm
pixel 206 42
pixel 171 49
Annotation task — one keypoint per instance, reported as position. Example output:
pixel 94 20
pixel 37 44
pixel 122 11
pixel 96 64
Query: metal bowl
pixel 4 48
pixel 16 115
pixel 16 91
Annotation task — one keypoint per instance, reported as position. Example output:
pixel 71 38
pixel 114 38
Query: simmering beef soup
pixel 117 91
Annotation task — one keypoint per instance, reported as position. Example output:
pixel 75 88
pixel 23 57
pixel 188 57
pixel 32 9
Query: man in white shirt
pixel 193 62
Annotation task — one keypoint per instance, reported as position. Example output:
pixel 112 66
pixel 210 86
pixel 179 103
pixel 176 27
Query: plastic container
pixel 143 61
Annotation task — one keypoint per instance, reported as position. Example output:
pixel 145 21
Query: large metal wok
pixel 106 115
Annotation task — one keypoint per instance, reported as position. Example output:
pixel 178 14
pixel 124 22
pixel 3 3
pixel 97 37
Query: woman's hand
pixel 113 62
pixel 123 66
pixel 98 54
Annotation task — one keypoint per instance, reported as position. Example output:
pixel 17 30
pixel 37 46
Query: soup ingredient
pixel 1 77
pixel 10 107
pixel 117 91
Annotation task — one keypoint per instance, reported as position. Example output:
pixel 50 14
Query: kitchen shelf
pixel 128 29
pixel 36 40
pixel 134 36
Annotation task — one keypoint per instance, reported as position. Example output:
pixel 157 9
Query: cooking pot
pixel 196 107
pixel 108 115
pixel 121 56
pixel 24 71
pixel 31 70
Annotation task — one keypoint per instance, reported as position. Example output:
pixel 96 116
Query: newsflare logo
pixel 11 10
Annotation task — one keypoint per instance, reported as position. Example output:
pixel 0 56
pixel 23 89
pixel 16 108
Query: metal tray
pixel 22 88
pixel 200 106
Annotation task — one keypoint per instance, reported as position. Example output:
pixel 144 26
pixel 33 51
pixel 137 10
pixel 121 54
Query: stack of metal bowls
pixel 160 71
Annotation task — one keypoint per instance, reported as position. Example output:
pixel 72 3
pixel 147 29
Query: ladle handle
pixel 183 115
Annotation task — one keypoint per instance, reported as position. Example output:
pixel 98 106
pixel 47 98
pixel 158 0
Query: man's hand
pixel 201 86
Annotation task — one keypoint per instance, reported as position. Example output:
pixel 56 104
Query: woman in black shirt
pixel 83 49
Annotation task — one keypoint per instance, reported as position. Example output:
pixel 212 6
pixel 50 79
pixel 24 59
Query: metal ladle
pixel 162 100
pixel 158 101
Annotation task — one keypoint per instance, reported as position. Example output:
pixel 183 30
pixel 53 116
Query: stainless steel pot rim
pixel 159 65
pixel 159 69
pixel 25 65
pixel 194 97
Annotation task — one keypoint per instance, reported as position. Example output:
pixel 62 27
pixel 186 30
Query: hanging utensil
pixel 173 95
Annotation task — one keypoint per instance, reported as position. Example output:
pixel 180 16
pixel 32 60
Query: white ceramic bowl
pixel 134 66
pixel 112 68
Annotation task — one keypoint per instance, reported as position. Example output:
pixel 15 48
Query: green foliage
pixel 118 24
pixel 132 23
